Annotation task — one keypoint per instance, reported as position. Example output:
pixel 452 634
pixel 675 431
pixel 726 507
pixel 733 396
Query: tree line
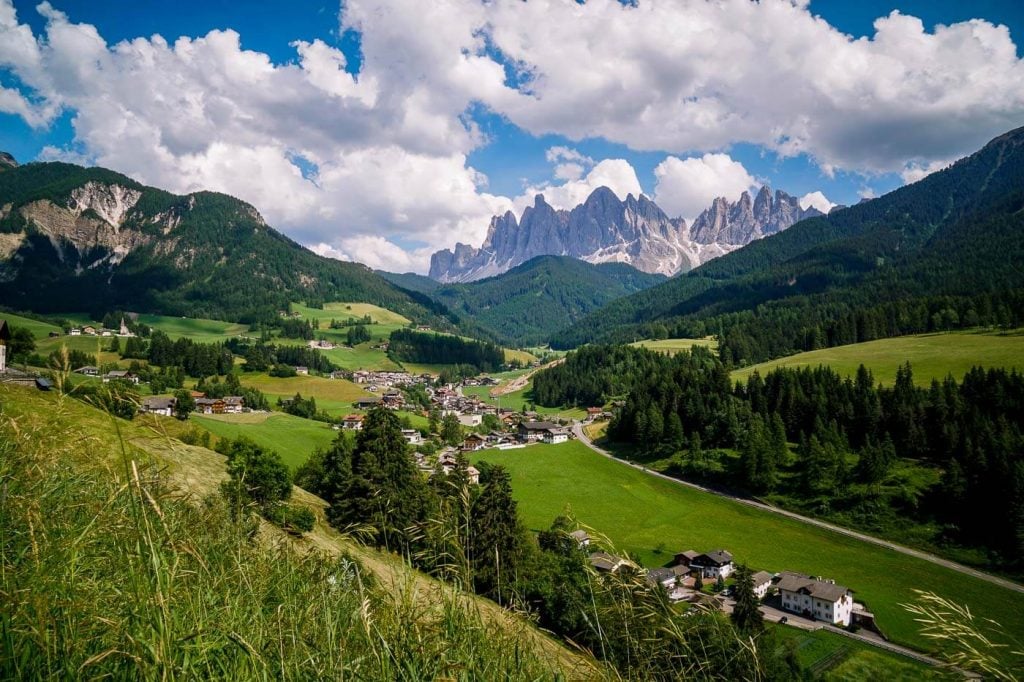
pixel 406 345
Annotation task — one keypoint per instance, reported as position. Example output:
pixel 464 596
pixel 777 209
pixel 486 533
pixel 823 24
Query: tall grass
pixel 106 570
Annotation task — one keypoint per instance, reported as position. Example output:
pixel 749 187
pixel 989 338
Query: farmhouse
pixel 665 577
pixel 75 331
pixel 471 419
pixel 715 564
pixel 762 583
pixel 120 375
pixel 233 404
pixel 474 442
pixel 366 403
pixel 684 558
pixel 555 436
pixel 352 422
pixel 159 405
pixel 607 563
pixel 815 598
pixel 412 436
pixel 532 431
pixel 581 537
pixel 88 370
pixel 302 371
pixel 473 474
pixel 89 330
pixel 210 406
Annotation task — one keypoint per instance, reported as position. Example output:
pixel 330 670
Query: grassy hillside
pixel 39 329
pixel 932 356
pixel 293 438
pixel 137 578
pixel 655 518
pixel 672 346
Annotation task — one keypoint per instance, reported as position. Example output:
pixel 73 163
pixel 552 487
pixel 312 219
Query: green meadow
pixel 931 356
pixel 652 519
pixel 293 438
pixel 672 346
pixel 40 330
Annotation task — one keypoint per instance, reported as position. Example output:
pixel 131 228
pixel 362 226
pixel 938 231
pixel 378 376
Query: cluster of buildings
pixel 811 597
pixel 89 330
pixel 165 405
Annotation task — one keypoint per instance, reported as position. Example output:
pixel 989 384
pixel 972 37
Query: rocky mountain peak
pixel 605 228
pixel 7 161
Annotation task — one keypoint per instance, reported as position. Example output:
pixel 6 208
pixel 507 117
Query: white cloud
pixel 685 187
pixel 818 200
pixel 389 147
pixel 915 170
pixel 615 174
pixel 645 74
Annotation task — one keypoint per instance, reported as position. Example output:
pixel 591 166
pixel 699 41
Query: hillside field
pixel 673 346
pixel 40 330
pixel 293 438
pixel 931 356
pixel 653 518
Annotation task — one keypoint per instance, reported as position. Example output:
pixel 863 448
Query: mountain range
pixel 90 239
pixel 943 252
pixel 606 229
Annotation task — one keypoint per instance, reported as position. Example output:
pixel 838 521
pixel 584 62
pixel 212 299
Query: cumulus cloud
pixel 345 160
pixel 685 187
pixel 645 74
pixel 818 200
pixel 618 175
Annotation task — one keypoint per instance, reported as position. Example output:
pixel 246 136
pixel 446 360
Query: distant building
pixel 412 436
pixel 234 404
pixel 532 431
pixel 473 474
pixel 684 558
pixel 88 370
pixel 471 419
pixel 715 564
pixel 581 537
pixel 352 422
pixel 210 406
pixel 555 436
pixel 762 583
pixel 607 563
pixel 815 598
pixel 301 370
pixel 75 331
pixel 474 441
pixel 120 375
pixel 366 403
pixel 159 405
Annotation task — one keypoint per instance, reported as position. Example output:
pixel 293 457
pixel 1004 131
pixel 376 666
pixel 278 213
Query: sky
pixel 383 130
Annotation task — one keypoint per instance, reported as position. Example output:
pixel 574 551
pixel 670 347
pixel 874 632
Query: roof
pixel 603 561
pixel 538 426
pixel 819 589
pixel 353 418
pixel 208 401
pixel 158 403
pixel 661 575
pixel 762 577
pixel 87 368
pixel 716 557
pixel 233 399
pixel 580 535
pixel 690 554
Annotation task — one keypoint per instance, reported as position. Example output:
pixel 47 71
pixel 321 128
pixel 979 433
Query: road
pixel 946 563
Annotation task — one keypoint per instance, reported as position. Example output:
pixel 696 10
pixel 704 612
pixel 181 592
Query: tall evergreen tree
pixel 497 539
pixel 746 614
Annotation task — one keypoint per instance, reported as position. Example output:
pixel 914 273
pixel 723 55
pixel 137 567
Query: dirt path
pixel 520 382
pixel 946 563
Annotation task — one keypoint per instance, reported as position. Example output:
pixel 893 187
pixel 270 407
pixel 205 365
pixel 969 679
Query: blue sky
pixel 417 143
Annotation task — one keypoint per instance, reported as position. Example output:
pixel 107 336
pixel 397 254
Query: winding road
pixel 946 563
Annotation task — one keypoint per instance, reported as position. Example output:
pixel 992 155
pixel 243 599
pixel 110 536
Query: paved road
pixel 995 580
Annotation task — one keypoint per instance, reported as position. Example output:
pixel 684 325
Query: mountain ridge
pixel 77 238
pixel 606 229
pixel 952 241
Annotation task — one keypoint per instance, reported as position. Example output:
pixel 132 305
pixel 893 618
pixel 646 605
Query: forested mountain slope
pixel 944 252
pixel 531 301
pixel 74 238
